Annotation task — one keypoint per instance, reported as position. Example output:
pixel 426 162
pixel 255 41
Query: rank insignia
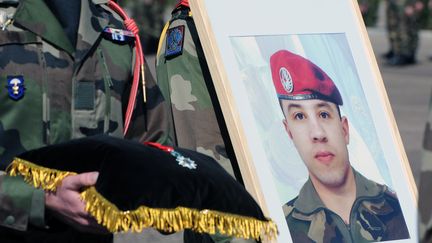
pixel 118 35
pixel 15 87
pixel 174 41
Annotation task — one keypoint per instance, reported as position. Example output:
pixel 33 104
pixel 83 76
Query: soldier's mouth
pixel 324 157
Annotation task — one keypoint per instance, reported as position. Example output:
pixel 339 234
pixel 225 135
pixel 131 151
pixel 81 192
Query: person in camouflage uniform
pixel 425 199
pixel 63 77
pixel 336 204
pixel 196 120
pixel 403 31
pixel 184 79
pixel 375 216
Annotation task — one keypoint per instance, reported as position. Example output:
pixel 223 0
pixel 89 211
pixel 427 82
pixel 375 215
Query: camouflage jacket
pixel 183 77
pixel 186 84
pixel 375 216
pixel 68 92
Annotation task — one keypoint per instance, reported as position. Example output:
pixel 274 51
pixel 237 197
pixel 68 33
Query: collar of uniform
pixel 92 23
pixel 35 16
pixel 309 202
pixel 376 193
pixel 366 187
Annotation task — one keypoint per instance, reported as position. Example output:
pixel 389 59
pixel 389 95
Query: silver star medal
pixel 184 161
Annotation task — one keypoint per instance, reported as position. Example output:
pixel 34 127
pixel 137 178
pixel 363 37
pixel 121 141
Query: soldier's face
pixel 321 138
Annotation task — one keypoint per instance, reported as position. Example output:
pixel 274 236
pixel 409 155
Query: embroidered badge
pixel 174 41
pixel 15 87
pixel 286 80
pixel 118 34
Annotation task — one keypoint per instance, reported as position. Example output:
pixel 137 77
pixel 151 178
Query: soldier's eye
pixel 324 114
pixel 299 116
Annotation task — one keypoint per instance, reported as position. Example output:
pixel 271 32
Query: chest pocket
pixel 100 90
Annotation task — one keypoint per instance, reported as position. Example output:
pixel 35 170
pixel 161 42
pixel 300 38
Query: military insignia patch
pixel 15 87
pixel 286 80
pixel 174 41
pixel 118 35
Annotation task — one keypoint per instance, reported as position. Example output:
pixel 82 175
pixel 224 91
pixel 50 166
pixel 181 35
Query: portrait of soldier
pixel 337 203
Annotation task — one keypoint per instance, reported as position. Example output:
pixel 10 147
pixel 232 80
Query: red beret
pixel 184 3
pixel 296 78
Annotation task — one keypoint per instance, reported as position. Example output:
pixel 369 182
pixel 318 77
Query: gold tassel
pixel 38 176
pixel 164 219
pixel 174 220
pixel 143 83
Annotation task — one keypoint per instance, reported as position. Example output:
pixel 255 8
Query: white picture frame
pixel 238 38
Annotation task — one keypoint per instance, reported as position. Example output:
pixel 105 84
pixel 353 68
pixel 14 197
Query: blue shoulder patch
pixel 174 41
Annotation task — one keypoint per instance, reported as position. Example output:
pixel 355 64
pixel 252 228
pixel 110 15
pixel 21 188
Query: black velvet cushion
pixel 168 190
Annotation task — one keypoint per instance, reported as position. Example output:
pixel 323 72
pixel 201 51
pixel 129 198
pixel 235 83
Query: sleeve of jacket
pixel 20 204
pixel 150 119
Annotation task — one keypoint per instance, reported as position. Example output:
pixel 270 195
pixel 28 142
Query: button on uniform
pixel 9 220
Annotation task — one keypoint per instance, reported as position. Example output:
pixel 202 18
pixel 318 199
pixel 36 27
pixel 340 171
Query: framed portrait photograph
pixel 310 121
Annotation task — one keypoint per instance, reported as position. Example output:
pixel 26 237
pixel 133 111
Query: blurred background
pixel 408 84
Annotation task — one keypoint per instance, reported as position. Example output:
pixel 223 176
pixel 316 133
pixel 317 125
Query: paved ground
pixel 409 90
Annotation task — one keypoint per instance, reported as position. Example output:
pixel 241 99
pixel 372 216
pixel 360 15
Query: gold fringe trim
pixel 167 220
pixel 38 176
pixel 174 220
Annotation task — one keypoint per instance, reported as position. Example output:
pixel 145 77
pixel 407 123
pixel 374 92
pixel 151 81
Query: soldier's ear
pixel 287 128
pixel 345 129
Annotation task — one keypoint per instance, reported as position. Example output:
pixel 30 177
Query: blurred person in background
pixel 403 31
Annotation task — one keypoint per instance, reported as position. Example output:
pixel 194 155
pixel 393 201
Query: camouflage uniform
pixel 425 199
pixel 375 216
pixel 403 30
pixel 70 92
pixel 187 86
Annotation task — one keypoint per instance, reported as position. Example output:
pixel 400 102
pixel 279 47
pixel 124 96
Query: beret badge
pixel 286 79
